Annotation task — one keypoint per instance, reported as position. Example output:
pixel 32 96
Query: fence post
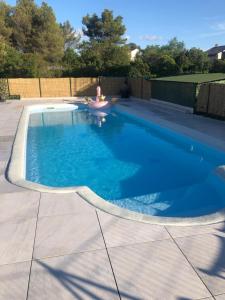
pixel 8 85
pixel 207 107
pixel 75 85
pixel 71 94
pixel 142 88
pixel 40 87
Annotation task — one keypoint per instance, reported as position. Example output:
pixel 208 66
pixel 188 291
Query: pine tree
pixel 70 36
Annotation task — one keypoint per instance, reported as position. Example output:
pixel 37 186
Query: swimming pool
pixel 120 163
pixel 131 163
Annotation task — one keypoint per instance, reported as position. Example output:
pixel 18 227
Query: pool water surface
pixel 129 162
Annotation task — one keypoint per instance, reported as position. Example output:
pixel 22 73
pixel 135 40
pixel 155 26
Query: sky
pixel 199 23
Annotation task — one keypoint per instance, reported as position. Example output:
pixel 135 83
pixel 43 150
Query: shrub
pixel 3 89
pixel 218 66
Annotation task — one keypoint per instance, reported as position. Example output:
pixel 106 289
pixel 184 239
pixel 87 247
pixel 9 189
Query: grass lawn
pixel 196 78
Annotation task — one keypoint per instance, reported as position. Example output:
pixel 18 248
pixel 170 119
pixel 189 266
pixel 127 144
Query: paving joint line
pixel 14 263
pixel 35 233
pixel 190 263
pixel 114 276
pixel 139 243
pixel 66 254
pixel 67 214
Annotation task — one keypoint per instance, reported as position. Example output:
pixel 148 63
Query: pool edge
pixel 17 170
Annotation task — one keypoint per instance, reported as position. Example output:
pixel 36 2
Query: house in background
pixel 217 52
pixel 133 54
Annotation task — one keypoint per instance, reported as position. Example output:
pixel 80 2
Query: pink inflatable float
pixel 100 102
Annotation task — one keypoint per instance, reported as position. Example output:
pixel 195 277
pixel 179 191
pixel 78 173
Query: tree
pixel 160 61
pixel 5 29
pixel 165 66
pixel 139 68
pixel 49 35
pixel 14 63
pixel 183 62
pixel 11 62
pixel 173 47
pixel 35 30
pixel 218 66
pixel 199 61
pixel 104 28
pixel 103 58
pixel 104 53
pixel 71 62
pixel 151 54
pixel 32 43
pixel 70 36
pixel 3 54
pixel 21 20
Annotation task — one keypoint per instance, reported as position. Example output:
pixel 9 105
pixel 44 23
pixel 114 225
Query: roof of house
pixel 215 50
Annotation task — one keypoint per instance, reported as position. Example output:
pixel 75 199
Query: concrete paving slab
pixel 16 240
pixel 177 231
pixel 207 254
pixel 14 281
pixel 155 270
pixel 79 276
pixel 220 297
pixel 5 151
pixel 7 187
pixel 58 204
pixel 8 130
pixel 118 231
pixel 3 165
pixel 60 235
pixel 18 205
pixel 8 139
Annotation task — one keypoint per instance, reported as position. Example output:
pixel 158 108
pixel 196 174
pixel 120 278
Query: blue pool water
pixel 125 160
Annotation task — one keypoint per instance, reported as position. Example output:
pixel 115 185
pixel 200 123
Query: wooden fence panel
pixel 216 105
pixel 112 85
pixel 135 86
pixel 55 87
pixel 25 87
pixel 202 99
pixel 66 87
pixel 84 86
pixel 140 88
pixel 146 89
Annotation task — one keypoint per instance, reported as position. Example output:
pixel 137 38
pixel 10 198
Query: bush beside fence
pixel 211 100
pixel 182 93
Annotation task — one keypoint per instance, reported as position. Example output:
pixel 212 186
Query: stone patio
pixel 57 246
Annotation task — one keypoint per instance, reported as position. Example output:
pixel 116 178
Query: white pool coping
pixel 17 176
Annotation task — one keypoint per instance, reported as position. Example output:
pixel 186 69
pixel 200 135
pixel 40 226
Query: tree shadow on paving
pixel 218 266
pixel 77 285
